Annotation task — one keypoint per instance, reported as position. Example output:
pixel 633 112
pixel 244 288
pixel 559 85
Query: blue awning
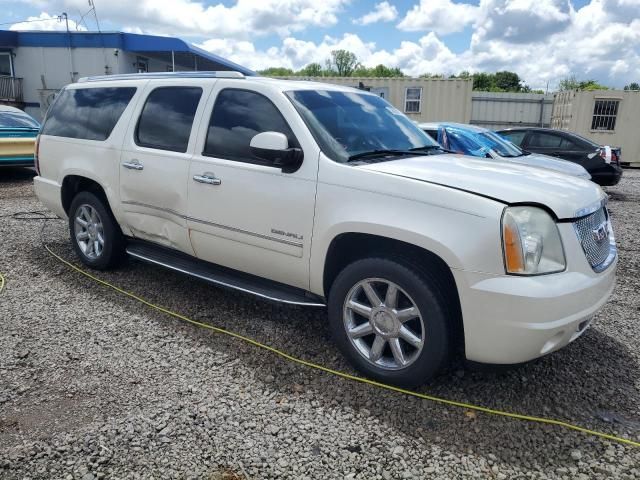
pixel 129 42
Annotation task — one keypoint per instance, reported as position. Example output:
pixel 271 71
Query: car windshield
pixel 500 145
pixel 17 120
pixel 350 124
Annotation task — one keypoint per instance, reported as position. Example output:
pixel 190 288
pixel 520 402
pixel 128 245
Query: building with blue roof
pixel 35 65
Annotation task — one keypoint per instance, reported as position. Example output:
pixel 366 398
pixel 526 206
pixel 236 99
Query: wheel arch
pixel 73 184
pixel 348 247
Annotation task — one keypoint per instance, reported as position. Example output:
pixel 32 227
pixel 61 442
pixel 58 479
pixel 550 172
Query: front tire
pixel 95 234
pixel 388 319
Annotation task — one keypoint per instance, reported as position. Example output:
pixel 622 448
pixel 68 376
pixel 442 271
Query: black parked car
pixel 603 163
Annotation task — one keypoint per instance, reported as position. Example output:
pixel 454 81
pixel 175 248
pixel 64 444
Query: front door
pixel 154 164
pixel 244 212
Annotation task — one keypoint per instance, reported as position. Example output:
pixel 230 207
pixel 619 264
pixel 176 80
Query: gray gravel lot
pixel 94 385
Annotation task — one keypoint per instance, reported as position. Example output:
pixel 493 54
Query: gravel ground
pixel 94 385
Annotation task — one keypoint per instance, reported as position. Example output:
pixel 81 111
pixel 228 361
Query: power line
pixel 57 19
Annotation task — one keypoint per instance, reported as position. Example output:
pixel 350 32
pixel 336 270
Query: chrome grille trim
pixel 600 252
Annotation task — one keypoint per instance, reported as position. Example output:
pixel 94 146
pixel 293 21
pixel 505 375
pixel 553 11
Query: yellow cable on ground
pixel 1 282
pixel 529 418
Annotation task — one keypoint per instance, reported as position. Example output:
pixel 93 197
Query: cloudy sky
pixel 542 40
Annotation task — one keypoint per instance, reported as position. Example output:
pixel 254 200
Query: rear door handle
pixel 208 178
pixel 133 165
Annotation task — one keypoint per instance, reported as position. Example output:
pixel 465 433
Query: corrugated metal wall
pixel 497 110
pixel 442 99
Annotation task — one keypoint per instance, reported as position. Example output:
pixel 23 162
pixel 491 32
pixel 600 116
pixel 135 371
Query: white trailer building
pixel 421 99
pixel 35 65
pixel 608 117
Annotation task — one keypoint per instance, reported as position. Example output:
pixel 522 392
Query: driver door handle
pixel 133 165
pixel 208 178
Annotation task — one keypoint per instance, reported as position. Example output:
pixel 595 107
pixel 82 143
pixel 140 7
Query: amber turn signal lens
pixel 512 249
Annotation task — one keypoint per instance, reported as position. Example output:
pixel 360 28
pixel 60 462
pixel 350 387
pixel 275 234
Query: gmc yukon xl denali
pixel 321 195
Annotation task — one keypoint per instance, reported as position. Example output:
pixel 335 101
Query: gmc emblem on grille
pixel 600 233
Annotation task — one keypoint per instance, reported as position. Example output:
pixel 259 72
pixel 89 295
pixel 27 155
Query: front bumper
pixel 511 319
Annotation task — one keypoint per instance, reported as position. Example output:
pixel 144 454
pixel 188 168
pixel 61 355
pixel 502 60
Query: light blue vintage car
pixel 18 132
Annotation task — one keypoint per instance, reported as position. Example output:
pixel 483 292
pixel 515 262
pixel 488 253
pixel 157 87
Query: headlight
pixel 531 242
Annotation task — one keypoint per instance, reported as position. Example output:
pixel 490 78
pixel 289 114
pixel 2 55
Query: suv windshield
pixel 349 124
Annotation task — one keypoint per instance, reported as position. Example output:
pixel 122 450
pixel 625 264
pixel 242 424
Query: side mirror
pixel 274 147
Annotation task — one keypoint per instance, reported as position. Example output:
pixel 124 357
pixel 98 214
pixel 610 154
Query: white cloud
pixel 383 12
pixel 440 16
pixel 541 40
pixel 243 20
pixel 46 22
pixel 522 21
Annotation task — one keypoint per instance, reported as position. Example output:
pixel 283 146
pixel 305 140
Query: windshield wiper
pixel 381 153
pixel 431 148
pixel 426 148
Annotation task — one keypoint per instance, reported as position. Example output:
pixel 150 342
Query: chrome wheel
pixel 89 231
pixel 383 323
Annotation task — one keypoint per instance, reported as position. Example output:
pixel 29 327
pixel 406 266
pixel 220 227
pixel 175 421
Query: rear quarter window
pixel 87 113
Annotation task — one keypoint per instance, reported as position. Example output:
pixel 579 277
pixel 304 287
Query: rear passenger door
pixel 543 142
pixel 251 216
pixel 154 164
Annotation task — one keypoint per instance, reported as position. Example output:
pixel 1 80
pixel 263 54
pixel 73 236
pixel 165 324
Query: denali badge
pixel 600 233
pixel 287 234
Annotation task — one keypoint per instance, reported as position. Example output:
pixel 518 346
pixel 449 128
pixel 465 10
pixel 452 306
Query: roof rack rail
pixel 153 75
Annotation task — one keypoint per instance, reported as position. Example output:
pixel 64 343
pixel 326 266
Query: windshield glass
pixel 17 120
pixel 350 123
pixel 478 143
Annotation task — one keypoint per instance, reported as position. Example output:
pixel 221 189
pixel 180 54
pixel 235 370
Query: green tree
pixel 507 81
pixel 276 72
pixel 572 83
pixel 311 70
pixel 484 81
pixel 632 86
pixel 431 75
pixel 463 75
pixel 384 71
pixel 378 71
pixel 343 62
pixel 591 85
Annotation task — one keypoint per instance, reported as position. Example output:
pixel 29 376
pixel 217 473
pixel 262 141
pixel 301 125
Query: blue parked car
pixel 18 132
pixel 481 142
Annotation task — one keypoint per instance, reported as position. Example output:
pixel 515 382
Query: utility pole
pixel 66 21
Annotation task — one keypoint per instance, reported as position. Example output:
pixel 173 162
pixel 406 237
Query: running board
pixel 222 276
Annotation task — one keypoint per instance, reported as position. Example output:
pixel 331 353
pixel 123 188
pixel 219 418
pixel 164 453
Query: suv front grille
pixel 596 239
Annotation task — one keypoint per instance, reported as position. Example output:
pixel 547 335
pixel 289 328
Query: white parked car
pixel 315 194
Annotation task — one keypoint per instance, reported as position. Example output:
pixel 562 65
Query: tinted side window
pixel 544 140
pixel 514 137
pixel 567 144
pixel 87 113
pixel 167 117
pixel 239 115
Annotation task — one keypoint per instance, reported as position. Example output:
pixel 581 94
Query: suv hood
pixel 504 181
pixel 544 161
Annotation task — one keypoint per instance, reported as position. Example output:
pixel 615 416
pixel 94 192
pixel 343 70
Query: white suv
pixel 316 194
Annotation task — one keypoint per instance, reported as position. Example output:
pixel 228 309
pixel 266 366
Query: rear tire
pixel 95 234
pixel 388 318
